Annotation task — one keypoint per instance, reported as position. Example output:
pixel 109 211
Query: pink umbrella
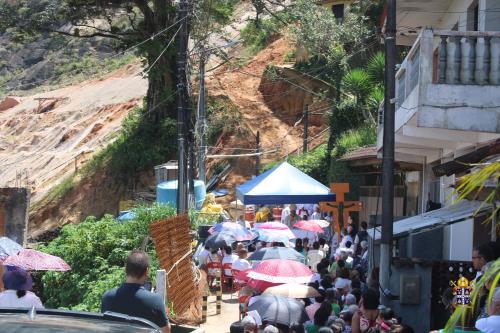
pixel 271 225
pixel 281 271
pixel 259 285
pixel 309 226
pixel 32 260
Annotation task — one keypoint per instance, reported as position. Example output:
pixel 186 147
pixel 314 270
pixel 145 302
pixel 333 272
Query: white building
pixel 447 105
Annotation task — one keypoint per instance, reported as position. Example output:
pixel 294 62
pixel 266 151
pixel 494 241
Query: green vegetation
pixel 256 36
pixel 96 251
pixel 223 118
pixel 140 145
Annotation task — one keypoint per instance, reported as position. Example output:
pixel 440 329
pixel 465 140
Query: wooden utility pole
pixel 306 126
pixel 257 157
pixel 388 150
pixel 182 104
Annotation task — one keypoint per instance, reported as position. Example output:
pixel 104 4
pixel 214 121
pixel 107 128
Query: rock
pixel 9 102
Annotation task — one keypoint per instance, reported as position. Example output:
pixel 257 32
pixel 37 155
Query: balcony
pixel 447 92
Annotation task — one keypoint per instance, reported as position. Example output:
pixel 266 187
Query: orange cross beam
pixel 340 208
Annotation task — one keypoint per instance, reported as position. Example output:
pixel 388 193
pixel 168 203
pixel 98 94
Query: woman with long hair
pixel 17 293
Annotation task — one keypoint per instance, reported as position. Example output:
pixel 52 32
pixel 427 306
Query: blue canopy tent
pixel 283 184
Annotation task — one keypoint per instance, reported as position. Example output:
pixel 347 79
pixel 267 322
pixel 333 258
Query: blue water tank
pixel 166 193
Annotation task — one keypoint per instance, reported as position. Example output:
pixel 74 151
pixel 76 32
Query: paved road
pixel 229 314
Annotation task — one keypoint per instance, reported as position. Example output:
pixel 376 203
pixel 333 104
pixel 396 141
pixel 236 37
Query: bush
pixel 257 36
pixel 140 145
pixel 96 251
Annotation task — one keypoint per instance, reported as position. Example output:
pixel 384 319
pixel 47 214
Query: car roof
pixel 45 321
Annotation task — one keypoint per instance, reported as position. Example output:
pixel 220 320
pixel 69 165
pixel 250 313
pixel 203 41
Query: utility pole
pixel 257 158
pixel 201 123
pixel 388 150
pixel 182 193
pixel 306 126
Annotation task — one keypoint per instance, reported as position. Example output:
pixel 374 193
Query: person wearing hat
pixel 17 293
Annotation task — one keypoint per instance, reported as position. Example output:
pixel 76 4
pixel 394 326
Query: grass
pixel 223 118
pixel 356 138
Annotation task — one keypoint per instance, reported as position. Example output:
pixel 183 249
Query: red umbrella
pixel 260 285
pixel 309 226
pixel 32 260
pixel 281 271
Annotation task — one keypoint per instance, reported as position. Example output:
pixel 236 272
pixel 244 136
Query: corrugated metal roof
pixel 361 153
pixel 440 217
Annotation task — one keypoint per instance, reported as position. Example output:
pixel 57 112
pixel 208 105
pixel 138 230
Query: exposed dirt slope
pixel 278 129
pixel 42 139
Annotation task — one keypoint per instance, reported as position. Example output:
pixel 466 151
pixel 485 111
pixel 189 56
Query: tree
pixel 127 22
pixel 96 251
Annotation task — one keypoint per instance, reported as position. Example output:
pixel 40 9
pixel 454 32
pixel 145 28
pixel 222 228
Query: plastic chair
pixel 228 278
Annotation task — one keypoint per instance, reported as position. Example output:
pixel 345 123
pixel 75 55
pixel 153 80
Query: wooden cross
pixel 340 208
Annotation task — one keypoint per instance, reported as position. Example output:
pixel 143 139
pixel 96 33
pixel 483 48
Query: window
pixel 473 16
pixel 338 12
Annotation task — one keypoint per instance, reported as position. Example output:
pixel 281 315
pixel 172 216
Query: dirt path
pixel 229 314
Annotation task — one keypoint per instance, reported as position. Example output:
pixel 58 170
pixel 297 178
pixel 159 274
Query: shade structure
pixel 8 247
pixel 237 231
pixel 32 260
pixel 279 310
pixel 219 240
pixel 281 271
pixel 292 290
pixel 308 226
pixel 276 253
pixel 321 223
pixel 283 184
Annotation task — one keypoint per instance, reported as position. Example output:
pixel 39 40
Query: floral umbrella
pixel 281 271
pixel 237 231
pixel 308 226
pixel 32 260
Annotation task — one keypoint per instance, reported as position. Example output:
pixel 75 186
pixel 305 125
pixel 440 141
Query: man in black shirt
pixel 132 299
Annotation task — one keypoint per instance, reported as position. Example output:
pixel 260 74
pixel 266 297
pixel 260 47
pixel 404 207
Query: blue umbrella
pixel 8 247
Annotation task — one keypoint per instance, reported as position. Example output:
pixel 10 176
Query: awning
pixel 465 162
pixel 283 184
pixel 459 212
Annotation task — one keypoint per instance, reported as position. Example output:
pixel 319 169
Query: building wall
pixel 417 316
pixel 458 241
pixel 491 15
pixel 14 203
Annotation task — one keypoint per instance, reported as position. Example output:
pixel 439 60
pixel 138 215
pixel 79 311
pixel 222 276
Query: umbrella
pixel 292 290
pixel 239 232
pixel 280 236
pixel 219 240
pixel 272 226
pixel 260 285
pixel 32 260
pixel 276 253
pixel 279 310
pixel 321 223
pixel 309 226
pixel 281 271
pixel 8 247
